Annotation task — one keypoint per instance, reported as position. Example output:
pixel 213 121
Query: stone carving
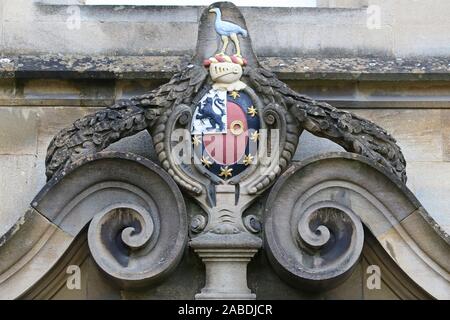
pixel 122 241
pixel 95 132
pixel 316 247
pixel 314 215
pixel 226 72
pixel 353 133
pixel 225 152
pixel 137 220
pixel 36 251
pixel 227 29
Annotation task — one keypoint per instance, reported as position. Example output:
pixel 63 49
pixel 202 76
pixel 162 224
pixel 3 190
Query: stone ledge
pixel 60 2
pixel 163 67
pixel 363 68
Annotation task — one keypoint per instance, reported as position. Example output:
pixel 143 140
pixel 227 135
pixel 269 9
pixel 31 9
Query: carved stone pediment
pixel 224 131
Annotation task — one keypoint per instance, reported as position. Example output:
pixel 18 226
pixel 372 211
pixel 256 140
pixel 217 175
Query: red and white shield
pixel 224 132
pixel 227 148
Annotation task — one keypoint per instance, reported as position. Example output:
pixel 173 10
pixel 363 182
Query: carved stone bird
pixel 228 29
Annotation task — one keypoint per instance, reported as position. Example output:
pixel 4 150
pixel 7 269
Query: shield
pixel 225 131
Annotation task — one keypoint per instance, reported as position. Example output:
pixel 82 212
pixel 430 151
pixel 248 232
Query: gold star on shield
pixel 195 141
pixel 252 111
pixel 254 136
pixel 248 159
pixel 205 161
pixel 234 94
pixel 226 172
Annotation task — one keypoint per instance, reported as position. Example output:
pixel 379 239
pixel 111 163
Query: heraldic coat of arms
pixel 224 129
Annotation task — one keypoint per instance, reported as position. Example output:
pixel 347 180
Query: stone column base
pixel 226 265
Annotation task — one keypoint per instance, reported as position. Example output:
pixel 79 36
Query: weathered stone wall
pixel 416 111
pixel 408 28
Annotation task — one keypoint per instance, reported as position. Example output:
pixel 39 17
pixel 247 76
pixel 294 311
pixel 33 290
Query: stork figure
pixel 227 29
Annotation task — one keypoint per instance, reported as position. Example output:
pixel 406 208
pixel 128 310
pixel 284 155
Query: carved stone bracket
pixel 135 212
pixel 314 216
pixel 314 246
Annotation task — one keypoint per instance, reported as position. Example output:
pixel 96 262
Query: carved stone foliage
pixel 352 132
pixel 95 132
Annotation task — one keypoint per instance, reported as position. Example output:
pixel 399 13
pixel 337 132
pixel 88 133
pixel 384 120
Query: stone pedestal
pixel 226 257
